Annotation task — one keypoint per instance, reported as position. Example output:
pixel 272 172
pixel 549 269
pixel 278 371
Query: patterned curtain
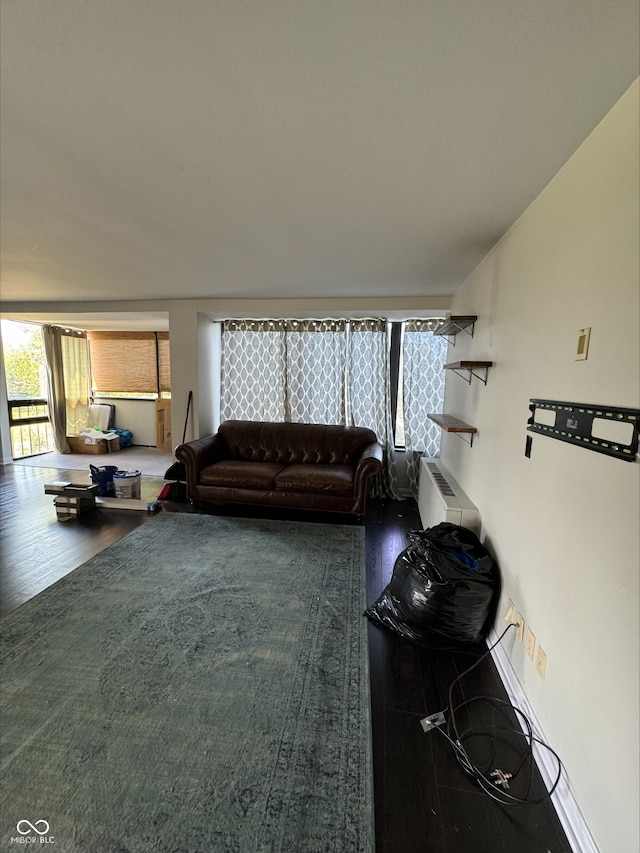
pixel 273 370
pixel 423 355
pixel 316 368
pixel 253 370
pixel 369 393
pixel 336 372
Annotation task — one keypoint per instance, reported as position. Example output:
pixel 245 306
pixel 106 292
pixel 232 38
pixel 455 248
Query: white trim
pixel 563 799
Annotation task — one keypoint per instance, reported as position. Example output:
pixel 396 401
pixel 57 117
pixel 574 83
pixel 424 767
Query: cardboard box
pixel 78 444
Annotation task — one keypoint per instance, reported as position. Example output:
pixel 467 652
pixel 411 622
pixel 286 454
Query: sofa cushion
pixel 244 475
pixel 294 443
pixel 329 479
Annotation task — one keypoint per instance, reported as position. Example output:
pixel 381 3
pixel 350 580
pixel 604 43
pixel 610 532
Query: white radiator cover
pixel 440 498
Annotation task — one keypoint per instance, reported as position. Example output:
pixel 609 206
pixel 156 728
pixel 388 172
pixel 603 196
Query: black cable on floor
pixel 494 780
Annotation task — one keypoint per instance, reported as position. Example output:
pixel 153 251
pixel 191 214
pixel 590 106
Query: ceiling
pixel 286 148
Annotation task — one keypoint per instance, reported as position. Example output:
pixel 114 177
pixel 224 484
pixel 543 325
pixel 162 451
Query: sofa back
pixel 256 441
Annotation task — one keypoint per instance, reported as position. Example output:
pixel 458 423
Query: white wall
pixel 184 326
pixel 564 523
pixel 209 363
pixel 139 416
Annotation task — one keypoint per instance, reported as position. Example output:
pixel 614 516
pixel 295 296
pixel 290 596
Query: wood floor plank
pixel 424 800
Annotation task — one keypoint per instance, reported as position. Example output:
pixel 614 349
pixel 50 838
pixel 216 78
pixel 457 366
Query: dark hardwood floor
pixel 424 801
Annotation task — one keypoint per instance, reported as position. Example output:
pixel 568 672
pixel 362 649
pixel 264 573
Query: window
pixel 25 369
pixel 340 371
pixel 422 384
pixel 130 364
pixel 395 358
pixel 416 379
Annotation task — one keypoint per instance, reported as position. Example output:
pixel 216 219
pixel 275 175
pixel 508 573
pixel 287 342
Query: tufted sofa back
pixel 291 444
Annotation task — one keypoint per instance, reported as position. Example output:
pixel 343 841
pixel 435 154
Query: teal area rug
pixel 199 687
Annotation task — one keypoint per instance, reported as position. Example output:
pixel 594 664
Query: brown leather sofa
pixel 299 466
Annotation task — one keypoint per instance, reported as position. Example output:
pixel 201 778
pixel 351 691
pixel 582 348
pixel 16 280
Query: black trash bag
pixel 444 589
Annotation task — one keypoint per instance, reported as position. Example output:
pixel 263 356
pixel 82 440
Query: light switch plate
pixel 530 642
pixel 582 350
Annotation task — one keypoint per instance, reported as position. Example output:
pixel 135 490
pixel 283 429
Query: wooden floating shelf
pixel 456 324
pixel 451 424
pixel 466 365
pixel 470 367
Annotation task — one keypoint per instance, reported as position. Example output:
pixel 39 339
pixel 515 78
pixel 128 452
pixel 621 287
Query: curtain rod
pixel 319 319
pixel 40 325
pixel 65 328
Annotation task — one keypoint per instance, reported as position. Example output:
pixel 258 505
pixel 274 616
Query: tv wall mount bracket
pixel 574 423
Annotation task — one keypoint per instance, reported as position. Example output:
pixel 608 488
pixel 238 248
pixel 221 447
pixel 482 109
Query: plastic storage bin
pixel 103 479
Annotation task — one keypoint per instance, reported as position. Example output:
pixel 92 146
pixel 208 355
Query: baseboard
pixel 7 460
pixel 563 799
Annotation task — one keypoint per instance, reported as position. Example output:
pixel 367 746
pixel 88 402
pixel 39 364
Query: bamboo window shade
pixel 129 362
pixel 164 365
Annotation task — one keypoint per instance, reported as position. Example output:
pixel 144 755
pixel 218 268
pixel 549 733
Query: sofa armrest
pixel 197 454
pixel 368 465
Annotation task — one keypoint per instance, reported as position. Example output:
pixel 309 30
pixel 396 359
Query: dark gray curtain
pixel 52 337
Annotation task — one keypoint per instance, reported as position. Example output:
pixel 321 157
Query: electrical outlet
pixel 541 662
pixel 519 620
pixel 530 642
pixel 508 616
